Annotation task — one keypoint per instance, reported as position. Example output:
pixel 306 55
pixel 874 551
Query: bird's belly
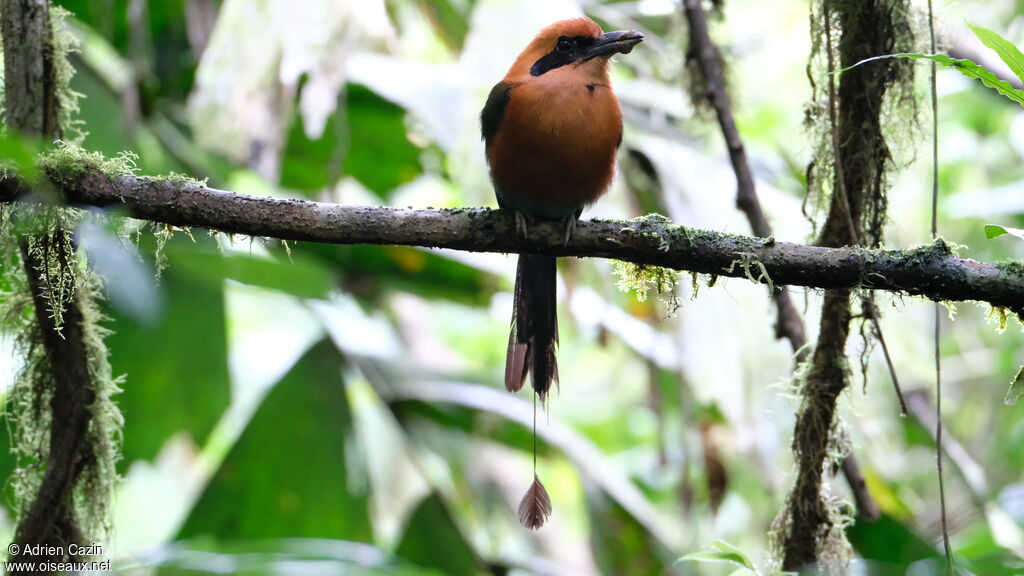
pixel 554 162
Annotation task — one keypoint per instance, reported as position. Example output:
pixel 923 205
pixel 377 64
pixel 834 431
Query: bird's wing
pixel 494 110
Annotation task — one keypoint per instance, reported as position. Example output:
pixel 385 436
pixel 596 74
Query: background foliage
pixel 338 409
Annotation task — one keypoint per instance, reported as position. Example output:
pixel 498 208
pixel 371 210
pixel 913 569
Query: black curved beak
pixel 618 42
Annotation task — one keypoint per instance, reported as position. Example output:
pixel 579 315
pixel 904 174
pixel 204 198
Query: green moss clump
pixel 642 277
pixel 185 180
pixel 653 219
pixel 68 162
pixel 1011 266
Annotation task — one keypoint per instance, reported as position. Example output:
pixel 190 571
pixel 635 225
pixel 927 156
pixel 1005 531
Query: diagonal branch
pixel 931 271
pixel 788 323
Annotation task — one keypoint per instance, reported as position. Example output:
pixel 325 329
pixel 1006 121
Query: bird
pixel 551 130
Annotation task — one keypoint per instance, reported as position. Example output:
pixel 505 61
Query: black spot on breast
pixel 591 87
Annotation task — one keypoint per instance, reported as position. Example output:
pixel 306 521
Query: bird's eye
pixel 564 44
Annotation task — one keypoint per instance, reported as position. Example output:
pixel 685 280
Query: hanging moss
pixel 64 44
pixel 64 283
pixel 877 112
pixel 850 120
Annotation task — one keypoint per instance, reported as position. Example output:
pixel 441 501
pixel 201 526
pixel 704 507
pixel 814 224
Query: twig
pixel 788 323
pixel 868 303
pixel 938 313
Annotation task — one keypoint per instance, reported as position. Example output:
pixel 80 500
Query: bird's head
pixel 575 47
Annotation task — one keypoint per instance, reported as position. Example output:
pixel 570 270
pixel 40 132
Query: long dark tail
pixel 531 345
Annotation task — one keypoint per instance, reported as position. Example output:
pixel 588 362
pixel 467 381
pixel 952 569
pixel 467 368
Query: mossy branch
pixel 932 271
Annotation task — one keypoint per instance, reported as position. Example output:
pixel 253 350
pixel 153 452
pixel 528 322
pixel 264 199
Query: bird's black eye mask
pixel 568 49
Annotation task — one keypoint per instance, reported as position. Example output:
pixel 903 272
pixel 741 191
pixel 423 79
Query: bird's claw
pixel 521 225
pixel 570 227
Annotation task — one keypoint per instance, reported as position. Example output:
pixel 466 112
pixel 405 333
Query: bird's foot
pixel 570 225
pixel 521 225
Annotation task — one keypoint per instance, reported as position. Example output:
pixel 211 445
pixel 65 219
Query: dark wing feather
pixel 494 110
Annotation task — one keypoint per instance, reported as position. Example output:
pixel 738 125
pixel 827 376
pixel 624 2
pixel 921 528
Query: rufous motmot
pixel 551 128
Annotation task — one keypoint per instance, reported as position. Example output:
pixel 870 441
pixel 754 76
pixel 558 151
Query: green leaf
pixel 724 552
pixel 1016 389
pixel 379 152
pixel 889 543
pixel 995 231
pixel 1007 52
pixel 370 272
pixel 367 140
pixel 288 474
pixel 127 280
pixel 18 153
pixel 619 542
pixel 450 20
pixel 471 422
pixel 163 394
pixel 966 67
pixel 301 276
pixel 432 539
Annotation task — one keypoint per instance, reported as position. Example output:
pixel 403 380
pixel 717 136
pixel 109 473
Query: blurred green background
pixel 339 409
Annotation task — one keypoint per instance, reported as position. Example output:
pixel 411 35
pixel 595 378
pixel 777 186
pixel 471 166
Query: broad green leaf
pixel 724 552
pixel 175 368
pixel 995 231
pixel 471 422
pixel 104 116
pixel 1016 389
pixel 18 153
pixel 7 465
pixel 966 67
pixel 619 542
pixel 888 542
pixel 1007 52
pixel 288 474
pixel 369 272
pixel 366 140
pixel 732 550
pixel 450 19
pixel 301 276
pixel 379 154
pixel 433 539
